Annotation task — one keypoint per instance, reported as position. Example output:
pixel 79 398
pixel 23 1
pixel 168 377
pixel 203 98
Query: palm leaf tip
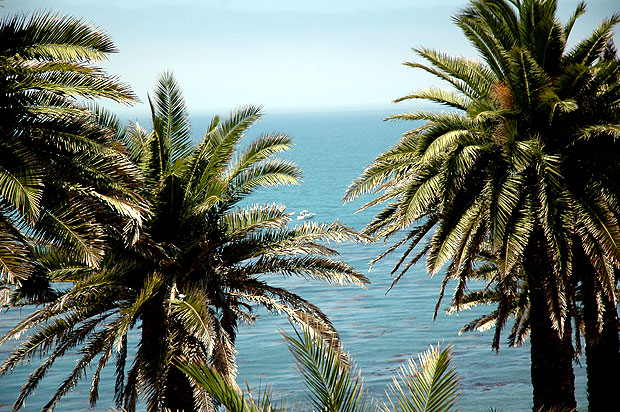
pixel 431 386
pixel 332 382
pixel 209 379
pixel 56 36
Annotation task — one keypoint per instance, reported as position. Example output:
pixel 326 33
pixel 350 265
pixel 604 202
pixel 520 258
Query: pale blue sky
pixel 284 54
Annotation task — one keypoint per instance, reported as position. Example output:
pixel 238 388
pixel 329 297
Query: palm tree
pixel 336 386
pixel 594 317
pixel 64 178
pixel 510 171
pixel 197 269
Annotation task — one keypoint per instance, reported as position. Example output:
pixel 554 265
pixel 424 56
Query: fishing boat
pixel 305 215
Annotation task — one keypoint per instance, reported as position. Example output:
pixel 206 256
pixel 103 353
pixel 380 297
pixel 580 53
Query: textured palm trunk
pixel 601 345
pixel 552 374
pixel 178 395
pixel 176 390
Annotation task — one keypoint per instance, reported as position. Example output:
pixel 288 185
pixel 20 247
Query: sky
pixel 288 55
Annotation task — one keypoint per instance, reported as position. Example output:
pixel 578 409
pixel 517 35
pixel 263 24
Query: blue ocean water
pixel 379 331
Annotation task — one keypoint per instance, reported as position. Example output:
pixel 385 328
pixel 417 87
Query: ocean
pixel 380 331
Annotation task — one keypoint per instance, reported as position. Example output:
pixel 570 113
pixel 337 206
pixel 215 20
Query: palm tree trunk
pixel 176 390
pixel 179 394
pixel 553 379
pixel 601 344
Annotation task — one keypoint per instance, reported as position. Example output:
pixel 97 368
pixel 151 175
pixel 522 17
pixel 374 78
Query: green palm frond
pixel 224 140
pixel 309 267
pixel 74 337
pixel 330 232
pixel 58 146
pixel 240 222
pixel 71 229
pixel 37 288
pixel 431 386
pixel 99 342
pixel 451 99
pixel 69 330
pixel 456 71
pixel 68 271
pixel 193 311
pixel 600 129
pixel 88 83
pixel 390 165
pixel 137 139
pixel 298 310
pixel 527 80
pixel 170 122
pixel 264 174
pixel 107 349
pixel 331 384
pixel 87 297
pixel 591 48
pixel 66 134
pixel 492 28
pixel 130 313
pixel 224 357
pixel 53 37
pixel 212 381
pixel 452 231
pixel 443 118
pixel 199 158
pixel 580 10
pixel 15 252
pixel 20 186
pixel 262 148
pixel 413 239
pixel 306 239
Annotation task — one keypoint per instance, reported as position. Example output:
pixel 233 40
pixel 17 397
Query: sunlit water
pixel 379 331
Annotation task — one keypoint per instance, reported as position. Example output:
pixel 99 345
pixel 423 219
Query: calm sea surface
pixel 379 331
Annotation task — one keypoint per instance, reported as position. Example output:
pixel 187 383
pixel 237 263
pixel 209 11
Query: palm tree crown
pixel 509 176
pixel 64 179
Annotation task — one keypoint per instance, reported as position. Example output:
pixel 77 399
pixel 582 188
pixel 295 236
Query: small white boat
pixel 304 215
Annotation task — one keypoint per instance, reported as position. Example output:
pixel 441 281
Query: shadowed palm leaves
pixel 334 386
pixel 510 296
pixel 63 176
pixel 521 173
pixel 196 271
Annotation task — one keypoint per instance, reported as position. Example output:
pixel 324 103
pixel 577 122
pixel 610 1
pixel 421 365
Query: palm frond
pixel 66 227
pixel 224 140
pixel 54 37
pixel 309 267
pixel 197 318
pixel 16 255
pixel 431 386
pixel 588 50
pixel 580 10
pixel 239 223
pixel 262 148
pixel 264 174
pixel 170 121
pixel 332 385
pixel 448 98
pixel 20 186
pixel 213 382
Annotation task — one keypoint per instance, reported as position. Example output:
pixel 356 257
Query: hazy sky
pixel 284 54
